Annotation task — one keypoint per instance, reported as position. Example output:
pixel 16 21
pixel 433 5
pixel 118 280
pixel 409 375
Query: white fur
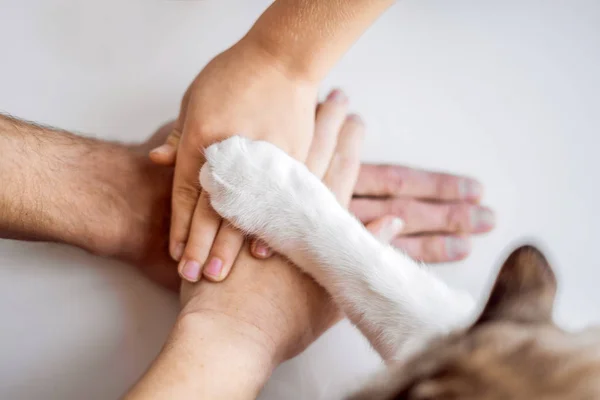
pixel 395 302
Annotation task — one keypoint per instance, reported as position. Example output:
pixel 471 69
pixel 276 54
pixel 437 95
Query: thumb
pixel 166 153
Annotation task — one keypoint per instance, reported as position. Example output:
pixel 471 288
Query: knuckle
pixel 174 136
pixel 391 182
pixel 185 194
pixel 444 188
pixel 402 207
pixel 457 218
pixel 202 131
pixel 197 250
pixel 226 247
pixel 433 249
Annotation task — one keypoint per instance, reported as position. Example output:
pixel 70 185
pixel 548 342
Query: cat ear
pixel 524 290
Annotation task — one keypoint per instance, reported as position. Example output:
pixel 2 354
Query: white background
pixel 506 91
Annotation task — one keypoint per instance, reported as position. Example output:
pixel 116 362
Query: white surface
pixel 507 91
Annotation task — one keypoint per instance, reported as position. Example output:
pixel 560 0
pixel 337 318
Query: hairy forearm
pixel 66 188
pixel 207 356
pixel 309 36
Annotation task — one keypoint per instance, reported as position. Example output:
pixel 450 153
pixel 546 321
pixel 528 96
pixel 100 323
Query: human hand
pixel 230 336
pixel 283 308
pixel 244 90
pixel 440 211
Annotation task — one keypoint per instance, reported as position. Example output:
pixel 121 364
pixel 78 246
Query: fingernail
pixel 391 229
pixel 396 226
pixel 214 267
pixel 355 118
pixel 456 248
pixel 177 251
pixel 337 96
pixel 162 149
pixel 261 249
pixel 191 270
pixel 482 218
pixel 469 189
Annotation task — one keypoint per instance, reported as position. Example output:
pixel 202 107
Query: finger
pixel 329 119
pixel 395 180
pixel 204 227
pixel 422 216
pixel 160 136
pixel 224 251
pixel 166 153
pixel 186 191
pixel 386 229
pixel 345 163
pixel 259 249
pixel 434 249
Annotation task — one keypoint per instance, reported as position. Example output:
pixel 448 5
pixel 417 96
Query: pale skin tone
pixel 228 337
pixel 268 307
pixel 141 237
pixel 263 87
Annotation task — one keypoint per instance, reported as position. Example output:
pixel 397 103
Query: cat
pixel 422 328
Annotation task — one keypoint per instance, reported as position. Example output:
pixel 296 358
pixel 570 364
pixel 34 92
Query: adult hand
pixel 261 288
pixel 440 211
pixel 271 294
pixel 229 336
pixel 244 90
pixel 150 224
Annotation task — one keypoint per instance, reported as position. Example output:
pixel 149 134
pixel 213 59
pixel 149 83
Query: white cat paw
pixel 249 182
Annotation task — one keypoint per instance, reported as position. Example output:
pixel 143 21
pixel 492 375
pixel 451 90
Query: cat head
pixel 512 351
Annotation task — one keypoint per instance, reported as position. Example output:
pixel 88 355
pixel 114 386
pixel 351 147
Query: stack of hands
pixel 151 212
pixel 436 212
pixel 266 311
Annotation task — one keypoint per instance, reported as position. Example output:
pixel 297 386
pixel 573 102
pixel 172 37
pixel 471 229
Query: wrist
pixel 250 342
pixel 107 197
pixel 263 344
pixel 141 194
pixel 207 356
pixel 228 353
pixel 76 190
pixel 308 37
pixel 305 70
pixel 285 319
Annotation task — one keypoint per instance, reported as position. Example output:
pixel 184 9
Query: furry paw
pixel 258 187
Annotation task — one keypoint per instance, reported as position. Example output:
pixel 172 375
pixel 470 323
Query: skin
pixel 277 310
pixel 136 196
pixel 277 67
pixel 266 312
pixel 427 202
pixel 117 206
